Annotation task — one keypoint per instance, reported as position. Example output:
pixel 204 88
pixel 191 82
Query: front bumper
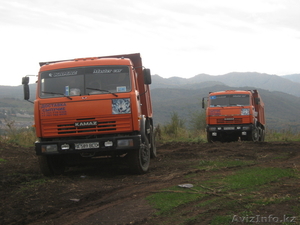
pixel 242 129
pixel 96 145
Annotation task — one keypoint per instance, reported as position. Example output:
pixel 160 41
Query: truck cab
pixel 91 107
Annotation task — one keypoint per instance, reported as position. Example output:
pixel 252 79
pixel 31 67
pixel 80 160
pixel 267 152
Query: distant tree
pixel 174 126
pixel 198 120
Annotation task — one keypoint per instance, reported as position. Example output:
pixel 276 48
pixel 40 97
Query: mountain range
pixel 281 95
pixel 289 84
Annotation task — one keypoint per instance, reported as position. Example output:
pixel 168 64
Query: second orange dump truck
pixel 89 108
pixel 235 115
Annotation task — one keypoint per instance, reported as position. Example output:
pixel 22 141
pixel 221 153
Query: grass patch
pixel 216 220
pixel 221 191
pixel 248 178
pixel 173 197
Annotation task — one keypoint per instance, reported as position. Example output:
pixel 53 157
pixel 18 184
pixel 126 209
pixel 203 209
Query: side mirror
pixel 147 76
pixel 257 101
pixel 203 104
pixel 25 82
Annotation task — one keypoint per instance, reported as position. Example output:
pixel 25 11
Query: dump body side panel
pixel 259 108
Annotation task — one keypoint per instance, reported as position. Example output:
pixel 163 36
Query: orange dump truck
pixel 232 115
pixel 93 108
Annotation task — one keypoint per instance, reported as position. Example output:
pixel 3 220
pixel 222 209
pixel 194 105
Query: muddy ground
pixel 109 194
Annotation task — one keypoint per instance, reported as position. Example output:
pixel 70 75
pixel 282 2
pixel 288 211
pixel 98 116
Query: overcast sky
pixel 175 38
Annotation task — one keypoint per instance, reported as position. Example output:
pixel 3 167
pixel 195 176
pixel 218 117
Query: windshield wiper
pixel 54 93
pixel 97 89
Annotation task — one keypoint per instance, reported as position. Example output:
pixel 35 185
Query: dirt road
pixel 109 194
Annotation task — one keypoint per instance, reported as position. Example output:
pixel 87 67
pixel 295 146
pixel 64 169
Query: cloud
pixel 207 36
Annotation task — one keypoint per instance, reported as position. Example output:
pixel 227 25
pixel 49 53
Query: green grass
pixel 250 178
pixel 222 191
pixel 224 220
pixel 170 198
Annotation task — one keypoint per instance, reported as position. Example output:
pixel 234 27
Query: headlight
pixel 125 143
pixel 49 148
pixel 245 112
pixel 246 128
pixel 211 129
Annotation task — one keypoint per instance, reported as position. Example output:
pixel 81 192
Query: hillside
pixel 293 77
pixel 258 80
pixel 181 95
pixel 16 91
pixel 281 109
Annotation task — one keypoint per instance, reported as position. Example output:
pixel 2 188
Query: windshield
pixel 85 81
pixel 229 100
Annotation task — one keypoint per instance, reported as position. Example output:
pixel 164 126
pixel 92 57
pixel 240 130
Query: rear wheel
pixel 262 134
pixel 139 160
pixel 51 164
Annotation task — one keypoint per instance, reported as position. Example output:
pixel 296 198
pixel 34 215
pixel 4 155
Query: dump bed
pixel 259 107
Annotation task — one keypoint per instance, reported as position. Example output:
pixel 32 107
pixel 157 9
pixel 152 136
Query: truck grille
pixel 232 121
pixel 104 126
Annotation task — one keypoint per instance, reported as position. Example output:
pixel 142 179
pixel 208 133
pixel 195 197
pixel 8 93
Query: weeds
pixel 284 135
pixel 174 131
pixel 20 136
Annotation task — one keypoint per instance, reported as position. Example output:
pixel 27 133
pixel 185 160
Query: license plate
pixel 79 146
pixel 228 128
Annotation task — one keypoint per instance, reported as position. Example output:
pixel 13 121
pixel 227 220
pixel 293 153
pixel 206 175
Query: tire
pixel 254 136
pixel 153 153
pixel 262 135
pixel 51 165
pixel 139 160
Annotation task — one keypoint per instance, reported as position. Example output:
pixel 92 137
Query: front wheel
pixel 139 160
pixel 51 164
pixel 254 135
